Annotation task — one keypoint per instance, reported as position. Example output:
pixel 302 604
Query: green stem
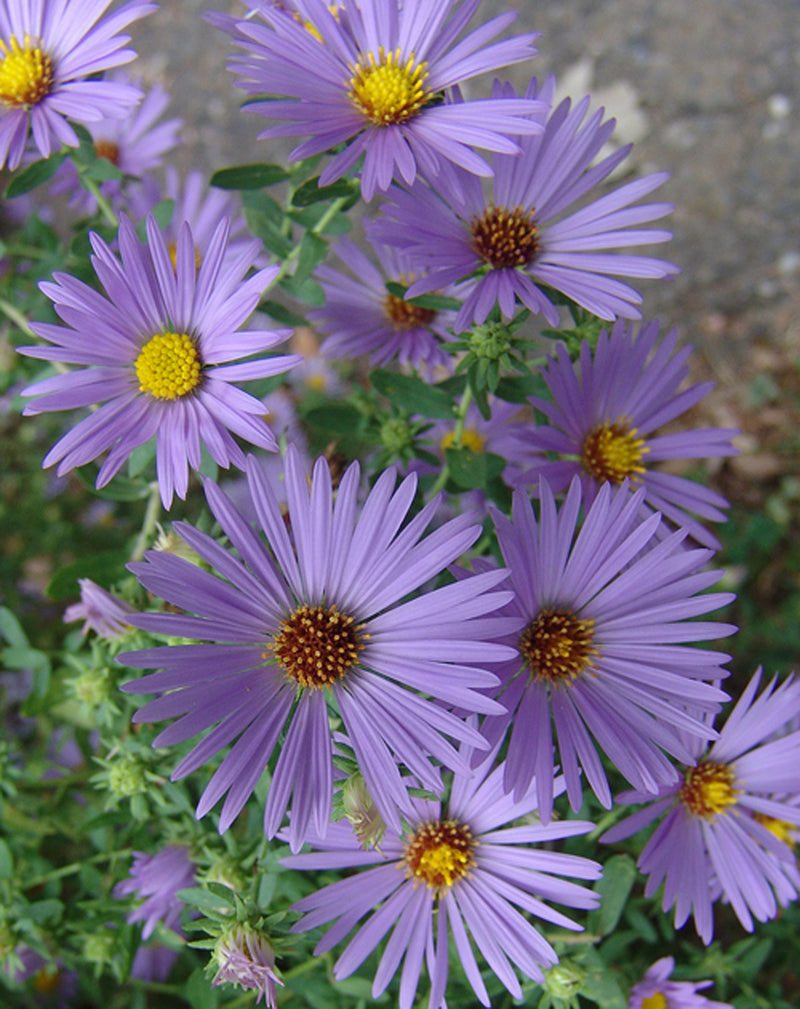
pixel 13 313
pixel 102 203
pixel 326 218
pixel 150 519
pixel 458 437
pixel 67 870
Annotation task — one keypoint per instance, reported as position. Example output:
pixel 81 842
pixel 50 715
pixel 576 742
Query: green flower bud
pixel 361 811
pixel 98 947
pixel 563 981
pixel 491 340
pixel 396 435
pixel 126 776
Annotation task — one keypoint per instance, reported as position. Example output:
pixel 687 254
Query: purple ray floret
pixel 673 994
pixel 371 75
pixel 604 418
pixel 50 52
pixel 320 615
pixel 606 651
pixel 456 871
pixel 360 316
pixel 730 823
pixel 158 878
pixel 522 237
pixel 161 350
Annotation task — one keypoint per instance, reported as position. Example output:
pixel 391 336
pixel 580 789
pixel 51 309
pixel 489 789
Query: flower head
pixel 50 52
pixel 728 819
pixel 103 613
pixel 373 76
pixel 606 645
pixel 361 316
pixel 158 878
pixel 246 958
pixel 454 870
pixel 319 615
pixel 163 368
pixel 518 239
pixel 604 418
pixel 656 991
pixel 134 144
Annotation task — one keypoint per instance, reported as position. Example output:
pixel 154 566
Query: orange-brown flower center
pixel 558 646
pixel 505 236
pixel 317 645
pixel 404 315
pixel 107 149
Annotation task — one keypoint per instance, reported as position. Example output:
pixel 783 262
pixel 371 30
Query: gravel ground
pixel 708 89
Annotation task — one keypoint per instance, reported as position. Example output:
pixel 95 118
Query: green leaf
pixel 413 395
pixel 311 192
pixel 11 629
pixel 473 470
pixel 104 568
pixel 334 419
pixel 34 175
pixel 436 302
pixel 102 170
pixel 141 457
pixel 199 993
pixel 306 290
pixel 44 911
pixel 280 313
pixel 619 873
pixel 313 250
pixel 517 388
pixel 249 177
pixel 163 212
pixel 215 905
pixel 6 861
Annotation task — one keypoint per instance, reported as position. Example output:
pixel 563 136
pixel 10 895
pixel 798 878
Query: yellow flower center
pixel 172 249
pixel 387 90
pixel 558 646
pixel 107 149
pixel 657 1001
pixel 708 789
pixel 169 366
pixel 316 646
pixel 469 439
pixel 505 236
pixel 403 315
pixel 26 73
pixel 782 829
pixel 612 452
pixel 440 853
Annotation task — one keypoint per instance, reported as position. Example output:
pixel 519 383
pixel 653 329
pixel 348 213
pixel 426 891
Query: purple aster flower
pixel 49 979
pixel 135 144
pixel 153 962
pixel 656 991
pixel 360 316
pixel 726 818
pixel 246 958
pixel 455 870
pixel 518 240
pixel 603 422
pixel 103 613
pixel 158 878
pixel 50 51
pixel 321 614
pixel 607 645
pixel 164 365
pixel 372 76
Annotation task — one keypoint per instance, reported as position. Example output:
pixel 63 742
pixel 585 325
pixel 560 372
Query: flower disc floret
pixel 613 452
pixel 169 366
pixel 709 789
pixel 389 90
pixel 440 853
pixel 505 236
pixel 557 646
pixel 404 315
pixel 107 149
pixel 26 72
pixel 656 1001
pixel 317 646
